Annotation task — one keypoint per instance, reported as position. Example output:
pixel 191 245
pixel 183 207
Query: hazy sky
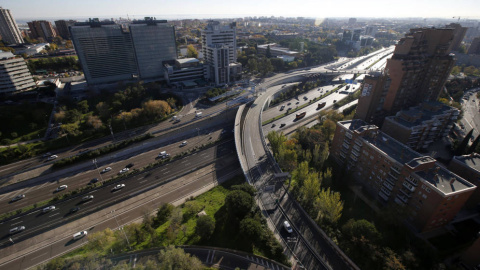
pixel 38 9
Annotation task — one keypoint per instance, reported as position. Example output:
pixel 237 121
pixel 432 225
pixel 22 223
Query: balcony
pixel 386 191
pixel 402 198
pixel 412 181
pixel 343 155
pixel 393 175
pixel 388 185
pixel 359 143
pixel 355 153
pixel 399 202
pixel 395 169
pixel 348 135
pixel 353 158
pixel 408 186
pixel 408 195
pixel 346 146
pixel 355 147
pixel 383 196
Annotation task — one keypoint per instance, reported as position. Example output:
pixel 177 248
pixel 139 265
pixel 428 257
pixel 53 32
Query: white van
pixel 163 155
pixel 79 235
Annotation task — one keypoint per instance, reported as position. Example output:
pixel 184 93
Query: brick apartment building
pixel 468 167
pixel 417 72
pixel 395 174
pixel 421 125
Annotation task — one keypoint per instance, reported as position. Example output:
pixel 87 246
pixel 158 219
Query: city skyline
pixel 466 9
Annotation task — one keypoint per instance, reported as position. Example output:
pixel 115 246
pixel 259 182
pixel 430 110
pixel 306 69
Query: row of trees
pixel 57 64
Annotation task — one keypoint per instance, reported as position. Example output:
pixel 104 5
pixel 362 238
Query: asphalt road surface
pixel 37 222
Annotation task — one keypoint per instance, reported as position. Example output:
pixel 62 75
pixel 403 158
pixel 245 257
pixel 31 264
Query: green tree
pixel 191 51
pixel 205 227
pixel 251 229
pixel 301 173
pixel 238 204
pixel 361 228
pixel 83 106
pixel 245 187
pixel 268 53
pixel 175 258
pixel 264 66
pixel 329 206
pixel 455 70
pixel 252 64
pixel 462 147
pixel 164 212
pixel 310 189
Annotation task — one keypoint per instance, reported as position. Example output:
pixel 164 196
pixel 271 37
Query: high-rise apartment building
pixel 14 74
pixel 421 125
pixel 110 52
pixel 9 29
pixel 417 72
pixel 475 46
pixel 42 29
pixel 395 174
pixel 62 28
pixel 219 47
pixel 458 35
pixel 154 43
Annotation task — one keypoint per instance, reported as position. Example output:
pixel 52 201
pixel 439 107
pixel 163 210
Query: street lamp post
pixel 95 162
pixel 124 234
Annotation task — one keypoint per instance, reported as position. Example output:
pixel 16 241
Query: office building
pixel 468 167
pixel 62 28
pixel 393 173
pixel 421 125
pixel 458 35
pixel 42 30
pixel 110 52
pixel 154 43
pixel 9 29
pixel 276 50
pixel 14 74
pixel 417 72
pixel 219 48
pixel 475 46
pixel 105 51
pixel 184 70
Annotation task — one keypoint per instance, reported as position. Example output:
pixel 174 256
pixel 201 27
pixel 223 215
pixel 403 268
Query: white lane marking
pixel 54 214
pixel 166 172
pixel 39 256
pixel 16 223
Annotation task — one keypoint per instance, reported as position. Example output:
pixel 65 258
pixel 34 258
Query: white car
pixel 79 235
pixel 17 229
pixel 184 143
pixel 52 157
pixel 60 188
pixel 107 169
pixel 118 187
pixel 48 209
pixel 287 226
pixel 87 198
pixel 124 170
pixel 18 197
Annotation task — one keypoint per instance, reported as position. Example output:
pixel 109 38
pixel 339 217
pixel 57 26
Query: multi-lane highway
pixel 471 116
pixel 38 221
pixel 186 116
pixel 146 153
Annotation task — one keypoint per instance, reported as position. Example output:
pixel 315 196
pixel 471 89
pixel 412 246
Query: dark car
pixel 282 125
pixel 74 209
pixel 93 181
pixel 129 165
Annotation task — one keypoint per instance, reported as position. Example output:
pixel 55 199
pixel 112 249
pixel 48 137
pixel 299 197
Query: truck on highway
pixel 198 114
pixel 321 105
pixel 300 115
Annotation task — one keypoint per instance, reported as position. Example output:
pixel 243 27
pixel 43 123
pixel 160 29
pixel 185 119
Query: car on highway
pixel 289 104
pixel 52 157
pixel 124 170
pixel 118 187
pixel 87 198
pixel 274 125
pixel 183 143
pixel 163 155
pixel 129 165
pixel 74 210
pixel 16 229
pixel 107 169
pixel 287 226
pixel 60 188
pixel 93 181
pixel 282 125
pixel 18 197
pixel 46 155
pixel 79 235
pixel 298 102
pixel 48 209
